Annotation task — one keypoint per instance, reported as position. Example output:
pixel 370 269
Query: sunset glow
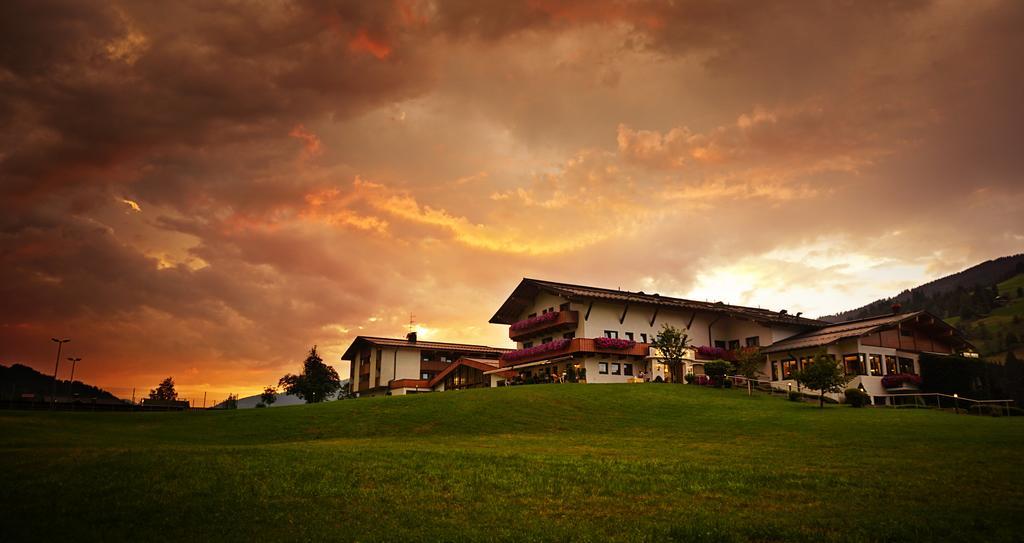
pixel 206 194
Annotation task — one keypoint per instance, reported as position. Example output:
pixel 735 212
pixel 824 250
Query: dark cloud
pixel 205 189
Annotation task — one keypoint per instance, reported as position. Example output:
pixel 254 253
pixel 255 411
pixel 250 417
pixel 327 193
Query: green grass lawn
pixel 546 462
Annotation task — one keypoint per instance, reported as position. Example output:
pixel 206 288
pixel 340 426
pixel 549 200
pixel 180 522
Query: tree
pixel 231 402
pixel 672 343
pixel 749 362
pixel 316 383
pixel 269 396
pixel 164 391
pixel 716 370
pixel 824 375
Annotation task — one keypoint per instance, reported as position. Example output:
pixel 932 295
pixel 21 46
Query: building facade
pixel 604 335
pixel 573 332
pixel 379 366
pixel 874 352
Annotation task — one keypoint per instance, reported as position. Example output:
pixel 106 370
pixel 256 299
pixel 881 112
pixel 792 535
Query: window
pixel 527 344
pixel 853 364
pixel 906 365
pixel 627 369
pixel 643 338
pixel 875 364
pixel 890 365
pixel 602 368
pixel 611 334
pixel 564 307
pixel 424 375
pixel 806 361
pixel 753 341
pixel 720 344
pixel 547 340
pixel 775 370
pixel 734 344
pixel 545 312
pixel 629 336
pixel 788 367
pixel 531 315
pixel 616 369
pixel 568 335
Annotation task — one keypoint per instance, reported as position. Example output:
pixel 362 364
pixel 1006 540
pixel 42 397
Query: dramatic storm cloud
pixel 205 191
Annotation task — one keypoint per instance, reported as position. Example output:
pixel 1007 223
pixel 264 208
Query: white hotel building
pixel 604 336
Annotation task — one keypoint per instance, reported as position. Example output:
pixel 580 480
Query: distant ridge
pixel 21 379
pixel 985 274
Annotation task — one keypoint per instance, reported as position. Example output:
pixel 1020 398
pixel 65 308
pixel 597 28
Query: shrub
pixel 717 370
pixel 795 396
pixel 689 377
pixel 856 397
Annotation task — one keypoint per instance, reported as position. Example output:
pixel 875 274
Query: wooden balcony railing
pixel 409 383
pixel 579 346
pixel 562 321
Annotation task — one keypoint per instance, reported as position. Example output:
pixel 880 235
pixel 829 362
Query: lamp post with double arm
pixel 53 396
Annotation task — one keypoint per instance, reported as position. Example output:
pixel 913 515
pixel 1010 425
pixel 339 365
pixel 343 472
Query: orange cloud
pixel 311 142
pixel 362 42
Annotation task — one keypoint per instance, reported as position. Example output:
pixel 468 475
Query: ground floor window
pixel 875 364
pixel 775 371
pixel 753 341
pixel 602 368
pixel 890 365
pixel 720 344
pixel 853 364
pixel 906 365
pixel 788 367
pixel 616 369
pixel 627 369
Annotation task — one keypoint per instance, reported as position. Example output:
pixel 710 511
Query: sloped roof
pixel 850 329
pixel 528 289
pixel 420 344
pixel 482 364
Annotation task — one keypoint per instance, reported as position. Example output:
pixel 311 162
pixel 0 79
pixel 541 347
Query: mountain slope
pixel 929 295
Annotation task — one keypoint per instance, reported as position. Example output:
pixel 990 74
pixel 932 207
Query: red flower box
pixel 548 347
pixel 533 321
pixel 899 380
pixel 614 343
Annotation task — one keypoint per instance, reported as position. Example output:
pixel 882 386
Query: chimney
pixel 411 336
pixel 896 307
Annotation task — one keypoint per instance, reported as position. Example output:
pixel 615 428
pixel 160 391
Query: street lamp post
pixel 53 396
pixel 74 361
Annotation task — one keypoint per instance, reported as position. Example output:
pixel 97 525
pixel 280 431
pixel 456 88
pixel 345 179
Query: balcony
pixel 561 320
pixel 409 383
pixel 561 348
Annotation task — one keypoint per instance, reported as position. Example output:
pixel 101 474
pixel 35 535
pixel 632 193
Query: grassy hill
pixel 545 462
pixel 1001 328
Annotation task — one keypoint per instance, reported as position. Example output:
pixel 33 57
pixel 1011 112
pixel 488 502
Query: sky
pixel 205 190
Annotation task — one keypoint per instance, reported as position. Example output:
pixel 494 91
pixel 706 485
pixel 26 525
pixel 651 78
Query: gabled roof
pixel 857 328
pixel 482 364
pixel 359 341
pixel 528 289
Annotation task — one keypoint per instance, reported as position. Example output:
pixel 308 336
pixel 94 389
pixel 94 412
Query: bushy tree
pixel 164 391
pixel 749 363
pixel 716 370
pixel 231 402
pixel 269 396
pixel 316 383
pixel 672 342
pixel 824 375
